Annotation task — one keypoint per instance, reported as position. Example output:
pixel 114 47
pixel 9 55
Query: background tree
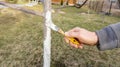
pixel 119 3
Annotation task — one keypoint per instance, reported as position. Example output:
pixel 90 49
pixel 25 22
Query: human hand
pixel 83 36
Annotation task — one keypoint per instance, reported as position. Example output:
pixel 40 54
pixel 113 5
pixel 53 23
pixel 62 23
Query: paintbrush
pixel 71 39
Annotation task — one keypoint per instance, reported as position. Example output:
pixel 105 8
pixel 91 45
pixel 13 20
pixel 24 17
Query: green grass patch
pixel 21 39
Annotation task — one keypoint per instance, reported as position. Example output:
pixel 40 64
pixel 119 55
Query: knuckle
pixel 77 27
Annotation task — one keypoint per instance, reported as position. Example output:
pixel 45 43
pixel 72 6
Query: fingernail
pixel 81 47
pixel 67 41
pixel 76 46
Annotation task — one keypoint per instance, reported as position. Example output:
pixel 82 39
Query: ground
pixel 21 39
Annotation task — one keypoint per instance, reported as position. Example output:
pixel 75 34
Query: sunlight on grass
pixel 36 8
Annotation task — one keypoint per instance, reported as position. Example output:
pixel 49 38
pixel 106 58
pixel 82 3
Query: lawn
pixel 21 39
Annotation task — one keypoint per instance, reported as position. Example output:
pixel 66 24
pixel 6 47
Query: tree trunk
pixel 47 33
pixel 67 2
pixel 119 3
pixel 102 5
pixel 61 2
pixel 96 6
pixel 110 8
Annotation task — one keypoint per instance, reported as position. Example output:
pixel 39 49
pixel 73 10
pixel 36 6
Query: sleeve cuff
pixel 107 39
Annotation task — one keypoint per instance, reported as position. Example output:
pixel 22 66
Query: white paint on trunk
pixel 47 36
pixel 49 19
pixel 48 16
pixel 47 32
pixel 47 47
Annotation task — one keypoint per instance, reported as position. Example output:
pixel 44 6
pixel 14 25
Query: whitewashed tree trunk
pixel 47 33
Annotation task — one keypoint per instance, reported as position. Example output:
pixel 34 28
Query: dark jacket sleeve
pixel 109 37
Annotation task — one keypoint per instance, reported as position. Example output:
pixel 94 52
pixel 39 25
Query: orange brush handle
pixel 71 39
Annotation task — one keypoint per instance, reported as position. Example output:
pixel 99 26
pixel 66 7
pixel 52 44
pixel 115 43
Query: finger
pixel 67 34
pixel 71 34
pixel 73 45
pixel 76 29
pixel 66 39
pixel 76 46
pixel 80 46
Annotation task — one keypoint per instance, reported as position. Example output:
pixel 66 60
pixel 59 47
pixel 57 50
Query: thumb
pixel 71 34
